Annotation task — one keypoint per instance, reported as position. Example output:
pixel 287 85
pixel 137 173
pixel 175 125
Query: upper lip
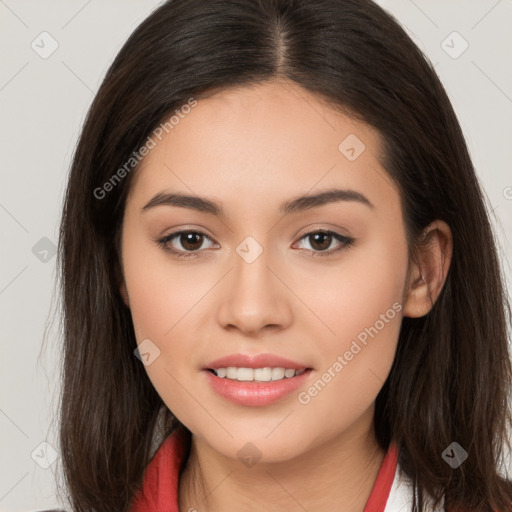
pixel 254 361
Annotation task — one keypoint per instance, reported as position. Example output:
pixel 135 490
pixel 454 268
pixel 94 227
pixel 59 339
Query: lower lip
pixel 252 393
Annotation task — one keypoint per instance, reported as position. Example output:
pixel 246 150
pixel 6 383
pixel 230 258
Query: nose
pixel 254 298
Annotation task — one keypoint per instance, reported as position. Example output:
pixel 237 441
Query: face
pixel 319 283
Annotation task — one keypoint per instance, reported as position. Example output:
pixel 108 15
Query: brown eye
pixel 190 241
pixel 320 242
pixel 183 243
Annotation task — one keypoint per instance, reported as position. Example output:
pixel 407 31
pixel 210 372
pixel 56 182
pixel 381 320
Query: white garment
pixel 401 495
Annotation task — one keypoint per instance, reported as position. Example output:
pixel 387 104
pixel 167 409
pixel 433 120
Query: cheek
pixel 160 292
pixel 347 296
pixel 167 304
pixel 162 299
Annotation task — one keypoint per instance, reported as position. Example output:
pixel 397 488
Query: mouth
pixel 252 385
pixel 255 379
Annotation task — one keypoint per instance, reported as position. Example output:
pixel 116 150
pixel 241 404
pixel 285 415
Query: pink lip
pixel 254 361
pixel 251 393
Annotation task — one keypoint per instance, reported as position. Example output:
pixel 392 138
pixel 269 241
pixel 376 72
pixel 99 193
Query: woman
pixel 274 248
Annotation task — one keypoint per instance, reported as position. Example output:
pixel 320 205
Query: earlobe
pixel 428 274
pixel 417 303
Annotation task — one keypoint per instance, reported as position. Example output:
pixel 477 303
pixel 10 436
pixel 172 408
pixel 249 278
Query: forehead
pixel 271 138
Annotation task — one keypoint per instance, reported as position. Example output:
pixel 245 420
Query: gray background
pixel 43 103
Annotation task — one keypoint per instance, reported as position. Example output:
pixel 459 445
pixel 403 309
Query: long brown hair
pixel 452 374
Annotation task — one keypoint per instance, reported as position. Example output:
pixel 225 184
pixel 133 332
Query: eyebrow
pixel 301 203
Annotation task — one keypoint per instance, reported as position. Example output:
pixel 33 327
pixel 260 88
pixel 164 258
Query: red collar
pixel 159 492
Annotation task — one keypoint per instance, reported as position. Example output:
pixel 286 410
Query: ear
pixel 427 275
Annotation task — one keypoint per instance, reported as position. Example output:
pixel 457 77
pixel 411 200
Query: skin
pixel 251 149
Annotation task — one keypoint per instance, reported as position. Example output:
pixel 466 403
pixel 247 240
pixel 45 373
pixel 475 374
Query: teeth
pixel 258 374
pixel 278 373
pixel 221 372
pixel 232 373
pixel 261 374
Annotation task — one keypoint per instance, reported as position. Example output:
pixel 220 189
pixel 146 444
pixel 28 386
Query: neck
pixel 340 471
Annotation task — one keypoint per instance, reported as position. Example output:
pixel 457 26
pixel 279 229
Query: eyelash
pixel 346 242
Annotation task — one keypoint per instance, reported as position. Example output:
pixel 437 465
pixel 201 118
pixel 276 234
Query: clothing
pixel 391 491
